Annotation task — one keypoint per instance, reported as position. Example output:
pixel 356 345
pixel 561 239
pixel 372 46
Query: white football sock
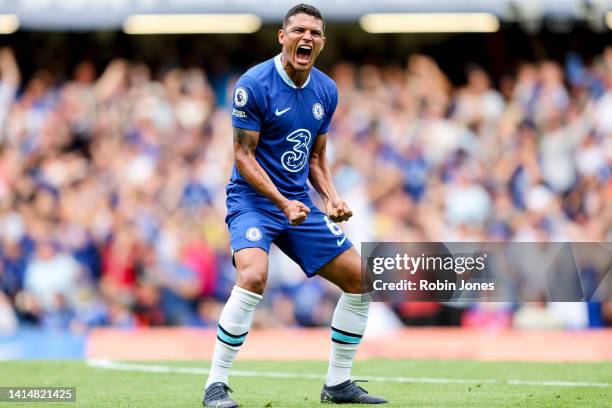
pixel 348 324
pixel 234 324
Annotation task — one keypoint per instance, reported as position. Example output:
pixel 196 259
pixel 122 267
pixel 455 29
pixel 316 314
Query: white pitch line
pixel 152 368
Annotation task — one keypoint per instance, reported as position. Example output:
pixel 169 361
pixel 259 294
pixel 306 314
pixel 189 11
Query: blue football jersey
pixel 288 118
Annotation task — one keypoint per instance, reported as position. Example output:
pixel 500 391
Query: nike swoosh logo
pixel 278 113
pixel 341 241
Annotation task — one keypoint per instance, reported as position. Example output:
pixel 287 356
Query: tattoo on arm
pixel 246 139
pixel 245 142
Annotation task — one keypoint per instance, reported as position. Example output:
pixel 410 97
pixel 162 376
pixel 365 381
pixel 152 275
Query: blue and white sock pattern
pixel 344 337
pixel 348 325
pixel 230 339
pixel 235 318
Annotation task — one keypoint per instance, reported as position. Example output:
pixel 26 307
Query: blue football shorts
pixel 311 244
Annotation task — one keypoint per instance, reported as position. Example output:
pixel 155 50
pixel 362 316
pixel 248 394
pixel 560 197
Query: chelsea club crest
pixel 317 111
pixel 253 234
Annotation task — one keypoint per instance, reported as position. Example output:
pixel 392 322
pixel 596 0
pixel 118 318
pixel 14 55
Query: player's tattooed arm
pixel 245 144
pixel 321 179
pixel 246 141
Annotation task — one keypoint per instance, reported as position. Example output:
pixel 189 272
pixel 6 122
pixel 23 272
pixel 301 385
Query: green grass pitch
pixel 495 384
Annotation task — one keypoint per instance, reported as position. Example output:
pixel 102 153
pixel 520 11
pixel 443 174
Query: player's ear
pixel 322 43
pixel 281 36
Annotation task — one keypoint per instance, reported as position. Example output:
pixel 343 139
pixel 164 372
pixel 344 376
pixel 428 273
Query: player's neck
pixel 298 77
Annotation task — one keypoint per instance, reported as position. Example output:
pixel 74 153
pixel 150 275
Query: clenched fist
pixel 338 210
pixel 296 212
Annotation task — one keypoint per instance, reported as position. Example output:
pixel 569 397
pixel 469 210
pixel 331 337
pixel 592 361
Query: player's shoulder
pixel 259 74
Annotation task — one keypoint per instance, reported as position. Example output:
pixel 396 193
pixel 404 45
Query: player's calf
pixel 234 325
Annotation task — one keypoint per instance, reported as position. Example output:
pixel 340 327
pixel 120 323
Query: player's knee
pixel 251 280
pixel 353 287
pixel 353 284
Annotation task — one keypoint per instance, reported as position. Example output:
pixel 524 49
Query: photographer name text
pixel 438 285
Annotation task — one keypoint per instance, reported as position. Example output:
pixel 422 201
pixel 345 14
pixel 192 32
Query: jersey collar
pixel 281 71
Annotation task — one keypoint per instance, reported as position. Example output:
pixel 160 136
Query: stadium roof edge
pixel 111 14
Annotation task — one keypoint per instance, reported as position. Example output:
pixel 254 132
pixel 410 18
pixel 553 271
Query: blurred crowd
pixel 112 199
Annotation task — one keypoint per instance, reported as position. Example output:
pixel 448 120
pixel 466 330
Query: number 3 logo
pixel 295 159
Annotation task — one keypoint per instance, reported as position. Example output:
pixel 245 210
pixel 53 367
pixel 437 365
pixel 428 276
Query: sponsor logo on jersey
pixel 239 114
pixel 295 159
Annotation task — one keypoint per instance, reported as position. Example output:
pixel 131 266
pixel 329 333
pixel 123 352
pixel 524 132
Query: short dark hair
pixel 303 9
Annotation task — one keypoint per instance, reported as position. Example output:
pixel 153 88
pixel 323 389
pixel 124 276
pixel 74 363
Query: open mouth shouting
pixel 303 54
